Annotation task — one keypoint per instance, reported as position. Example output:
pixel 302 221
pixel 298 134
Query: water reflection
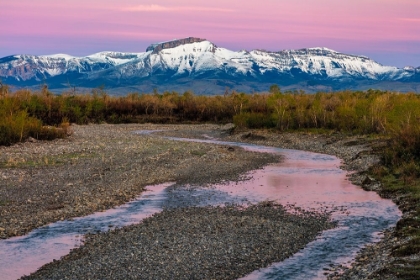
pixel 25 254
pixel 314 181
pixel 307 180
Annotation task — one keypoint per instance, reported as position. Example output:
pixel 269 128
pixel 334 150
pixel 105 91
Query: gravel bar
pixel 103 166
pixel 191 243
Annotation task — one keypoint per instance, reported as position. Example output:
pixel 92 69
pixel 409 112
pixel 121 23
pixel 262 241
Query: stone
pixel 367 181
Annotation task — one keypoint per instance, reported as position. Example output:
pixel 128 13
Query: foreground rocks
pixel 358 154
pixel 105 165
pixel 191 243
pixel 102 166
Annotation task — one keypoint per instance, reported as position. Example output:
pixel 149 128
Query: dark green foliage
pixel 406 270
pixel 254 120
pixel 6 135
pixel 412 247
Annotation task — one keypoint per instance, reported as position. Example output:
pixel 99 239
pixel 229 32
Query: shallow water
pixel 308 180
pixel 314 181
pixel 25 254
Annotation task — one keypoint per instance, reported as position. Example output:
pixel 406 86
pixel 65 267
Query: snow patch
pixel 195 58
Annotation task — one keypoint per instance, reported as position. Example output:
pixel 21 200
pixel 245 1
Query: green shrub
pixel 253 120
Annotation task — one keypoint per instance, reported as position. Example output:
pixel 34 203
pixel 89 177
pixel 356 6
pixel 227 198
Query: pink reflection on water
pixel 25 254
pixel 307 180
pixel 314 183
pixel 304 181
pixel 21 258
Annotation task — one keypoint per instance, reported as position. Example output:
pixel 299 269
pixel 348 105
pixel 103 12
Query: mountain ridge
pixel 193 60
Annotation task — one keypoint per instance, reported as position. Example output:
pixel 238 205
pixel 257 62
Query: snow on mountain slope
pixel 193 57
pixel 205 56
pixel 114 58
pixel 321 61
pixel 26 67
pixel 187 58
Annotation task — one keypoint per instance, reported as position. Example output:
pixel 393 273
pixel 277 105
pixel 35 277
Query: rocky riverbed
pixel 101 166
pixel 191 243
pixel 358 154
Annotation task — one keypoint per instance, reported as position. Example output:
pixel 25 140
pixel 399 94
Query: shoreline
pixel 100 167
pixel 358 154
pixel 355 152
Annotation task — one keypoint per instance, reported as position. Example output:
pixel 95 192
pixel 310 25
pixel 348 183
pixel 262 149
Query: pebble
pixel 101 166
pixel 133 160
pixel 192 243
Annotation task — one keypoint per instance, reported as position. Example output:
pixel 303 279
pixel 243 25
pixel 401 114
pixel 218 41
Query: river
pixel 307 180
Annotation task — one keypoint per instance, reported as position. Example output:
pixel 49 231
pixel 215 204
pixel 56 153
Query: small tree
pixel 275 89
pixel 4 90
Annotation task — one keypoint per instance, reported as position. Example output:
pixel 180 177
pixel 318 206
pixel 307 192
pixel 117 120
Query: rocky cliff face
pixel 156 48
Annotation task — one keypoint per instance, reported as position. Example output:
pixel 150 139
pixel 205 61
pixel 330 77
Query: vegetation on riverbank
pixel 391 115
pixel 18 122
pixel 24 114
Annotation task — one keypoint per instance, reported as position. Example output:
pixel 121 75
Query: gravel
pixel 191 243
pixel 101 166
pixel 358 154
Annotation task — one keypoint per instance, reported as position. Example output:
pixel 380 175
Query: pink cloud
pixel 410 19
pixel 159 8
pixel 82 26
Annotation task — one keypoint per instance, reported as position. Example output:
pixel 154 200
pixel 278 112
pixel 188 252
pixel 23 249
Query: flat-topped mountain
pixel 155 48
pixel 198 64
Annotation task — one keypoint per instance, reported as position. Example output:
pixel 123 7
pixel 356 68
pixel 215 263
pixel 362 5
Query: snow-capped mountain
pixel 195 61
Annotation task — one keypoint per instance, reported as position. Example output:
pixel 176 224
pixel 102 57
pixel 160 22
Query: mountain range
pixel 199 65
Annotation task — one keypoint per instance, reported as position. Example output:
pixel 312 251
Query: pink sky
pixel 385 30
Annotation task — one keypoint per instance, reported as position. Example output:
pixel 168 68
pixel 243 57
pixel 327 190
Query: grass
pixel 410 248
pixel 4 202
pixel 316 131
pixel 404 269
pixel 41 161
pixel 199 153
